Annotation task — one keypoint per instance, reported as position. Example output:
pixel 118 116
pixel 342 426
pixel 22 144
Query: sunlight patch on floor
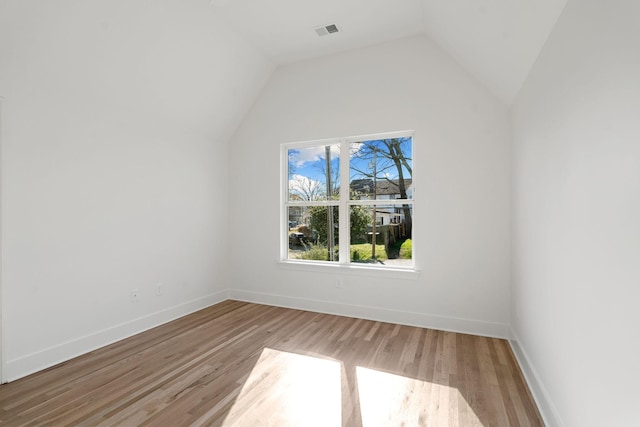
pixel 387 399
pixel 287 389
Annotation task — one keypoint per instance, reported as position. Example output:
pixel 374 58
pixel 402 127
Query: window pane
pixel 314 173
pixel 381 169
pixel 381 234
pixel 313 233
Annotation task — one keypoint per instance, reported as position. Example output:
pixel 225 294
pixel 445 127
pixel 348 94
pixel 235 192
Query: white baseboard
pixel 546 407
pixel 21 367
pixel 423 320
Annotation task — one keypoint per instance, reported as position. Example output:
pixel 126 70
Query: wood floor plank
pixel 242 364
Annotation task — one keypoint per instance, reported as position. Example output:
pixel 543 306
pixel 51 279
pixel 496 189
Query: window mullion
pixel 284 209
pixel 344 205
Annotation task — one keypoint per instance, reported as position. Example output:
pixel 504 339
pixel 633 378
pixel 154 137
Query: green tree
pixel 359 218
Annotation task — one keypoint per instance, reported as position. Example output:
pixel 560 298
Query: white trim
pixel 348 139
pixel 422 320
pixel 3 369
pixel 284 194
pixel 547 409
pixel 344 201
pixel 51 356
pixel 345 189
pixel 351 269
pixel 313 203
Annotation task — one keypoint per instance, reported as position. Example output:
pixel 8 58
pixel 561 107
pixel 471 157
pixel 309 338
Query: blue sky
pixel 307 165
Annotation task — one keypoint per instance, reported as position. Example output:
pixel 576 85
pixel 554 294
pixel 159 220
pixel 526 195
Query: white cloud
pixel 312 154
pixel 354 148
pixel 306 188
pixel 301 180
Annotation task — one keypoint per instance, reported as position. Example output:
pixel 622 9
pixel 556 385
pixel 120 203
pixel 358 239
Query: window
pixel 349 201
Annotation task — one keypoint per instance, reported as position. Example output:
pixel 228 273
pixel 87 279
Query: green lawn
pixel 358 253
pixel 406 249
pixel 362 252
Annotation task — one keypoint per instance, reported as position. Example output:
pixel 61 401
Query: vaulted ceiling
pixel 200 64
pixel 497 41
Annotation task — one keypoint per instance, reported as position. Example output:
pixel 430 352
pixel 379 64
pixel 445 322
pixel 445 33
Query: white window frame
pixel 343 204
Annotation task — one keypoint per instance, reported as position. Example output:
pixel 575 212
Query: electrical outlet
pixel 134 295
pixel 159 289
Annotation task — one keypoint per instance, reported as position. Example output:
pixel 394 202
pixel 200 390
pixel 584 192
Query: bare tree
pixel 333 176
pixel 392 158
pixel 306 188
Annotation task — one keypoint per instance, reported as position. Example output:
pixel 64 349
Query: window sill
pixel 350 270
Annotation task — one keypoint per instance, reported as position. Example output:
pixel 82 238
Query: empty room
pixel 319 213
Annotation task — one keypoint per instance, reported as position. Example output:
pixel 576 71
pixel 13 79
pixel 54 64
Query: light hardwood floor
pixel 241 364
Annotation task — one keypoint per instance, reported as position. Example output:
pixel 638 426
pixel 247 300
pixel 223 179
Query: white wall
pixel 462 185
pixel 576 217
pixel 114 166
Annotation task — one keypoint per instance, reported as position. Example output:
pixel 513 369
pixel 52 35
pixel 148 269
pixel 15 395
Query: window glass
pixel 314 173
pixel 381 169
pixel 380 234
pixel 313 233
pixel 367 222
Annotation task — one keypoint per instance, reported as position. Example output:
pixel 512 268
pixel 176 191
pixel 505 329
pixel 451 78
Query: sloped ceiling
pixel 173 63
pixel 495 40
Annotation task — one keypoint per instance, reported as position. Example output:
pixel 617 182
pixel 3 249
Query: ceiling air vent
pixel 327 29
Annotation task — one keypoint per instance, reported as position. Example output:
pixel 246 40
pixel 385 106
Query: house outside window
pixel 349 201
